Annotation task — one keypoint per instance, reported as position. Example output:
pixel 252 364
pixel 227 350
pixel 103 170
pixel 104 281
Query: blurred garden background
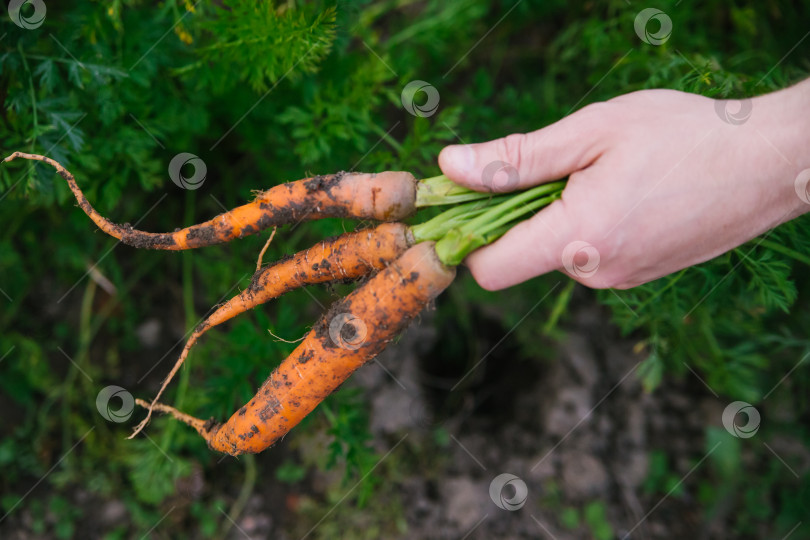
pixel 607 405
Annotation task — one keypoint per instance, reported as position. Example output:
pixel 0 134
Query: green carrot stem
pixel 511 203
pixel 520 212
pixel 440 190
pixel 435 228
pixel 434 231
pixel 485 227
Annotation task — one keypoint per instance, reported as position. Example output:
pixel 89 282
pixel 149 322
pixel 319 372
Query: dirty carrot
pixel 347 257
pixel 352 333
pixel 386 196
pixel 459 231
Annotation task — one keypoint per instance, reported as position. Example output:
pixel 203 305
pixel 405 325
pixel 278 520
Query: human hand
pixel 659 180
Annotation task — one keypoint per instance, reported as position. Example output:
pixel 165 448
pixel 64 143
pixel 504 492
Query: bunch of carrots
pixel 406 267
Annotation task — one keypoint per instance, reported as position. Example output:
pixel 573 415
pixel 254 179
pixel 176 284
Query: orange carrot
pixel 346 257
pixel 386 196
pixel 354 331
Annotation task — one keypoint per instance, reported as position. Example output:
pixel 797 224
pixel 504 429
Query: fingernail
pixel 461 156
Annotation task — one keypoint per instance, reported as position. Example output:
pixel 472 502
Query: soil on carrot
pixel 566 419
pixel 324 182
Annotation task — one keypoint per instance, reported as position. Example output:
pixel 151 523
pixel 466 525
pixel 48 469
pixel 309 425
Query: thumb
pixel 530 248
pixel 522 160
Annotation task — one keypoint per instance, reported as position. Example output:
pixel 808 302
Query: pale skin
pixel 658 181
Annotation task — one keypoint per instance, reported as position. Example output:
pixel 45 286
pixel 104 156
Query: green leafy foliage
pixel 596 518
pixel 348 425
pixel 271 91
pixel 263 43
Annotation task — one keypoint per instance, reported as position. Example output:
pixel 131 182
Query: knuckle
pixel 597 116
pixel 513 149
pixel 595 110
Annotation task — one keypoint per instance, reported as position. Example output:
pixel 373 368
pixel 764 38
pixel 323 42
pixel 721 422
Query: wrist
pixel 781 127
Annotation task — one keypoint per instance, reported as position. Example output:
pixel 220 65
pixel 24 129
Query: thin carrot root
pixel 277 338
pixel 347 257
pixel 264 249
pixel 196 423
pixel 386 196
pixel 354 331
